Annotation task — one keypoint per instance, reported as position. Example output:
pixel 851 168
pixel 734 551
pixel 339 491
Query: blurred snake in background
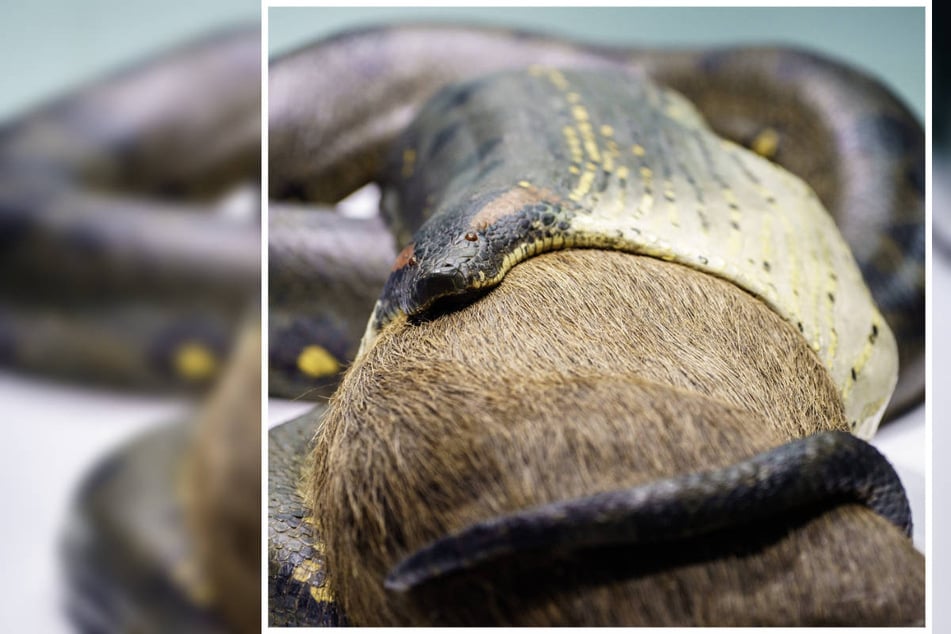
pixel 130 224
pixel 130 228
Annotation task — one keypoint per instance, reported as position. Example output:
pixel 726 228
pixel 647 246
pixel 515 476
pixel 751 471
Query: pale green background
pixel 886 42
pixel 50 46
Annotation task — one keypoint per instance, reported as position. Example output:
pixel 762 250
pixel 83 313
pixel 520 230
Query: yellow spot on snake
pixel 316 362
pixel 766 143
pixel 321 594
pixel 304 572
pixel 638 149
pixel 409 162
pixel 607 130
pixel 195 361
pixel 558 79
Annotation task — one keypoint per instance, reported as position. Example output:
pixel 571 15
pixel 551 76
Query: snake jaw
pixel 421 280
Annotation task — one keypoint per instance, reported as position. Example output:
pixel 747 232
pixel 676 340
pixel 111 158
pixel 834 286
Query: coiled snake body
pixel 129 223
pixel 125 260
pixel 497 169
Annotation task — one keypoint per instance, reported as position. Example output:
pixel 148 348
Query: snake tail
pixel 805 474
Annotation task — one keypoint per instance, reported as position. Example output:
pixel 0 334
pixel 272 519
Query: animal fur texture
pixel 223 488
pixel 587 371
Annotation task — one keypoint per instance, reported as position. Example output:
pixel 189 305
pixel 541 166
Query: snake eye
pixel 471 236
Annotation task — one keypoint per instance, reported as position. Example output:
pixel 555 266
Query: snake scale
pixel 490 171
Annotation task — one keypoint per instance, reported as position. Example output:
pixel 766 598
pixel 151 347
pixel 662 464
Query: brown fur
pixel 588 371
pixel 223 487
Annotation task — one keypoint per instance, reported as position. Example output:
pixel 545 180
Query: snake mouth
pixel 418 298
pixel 437 293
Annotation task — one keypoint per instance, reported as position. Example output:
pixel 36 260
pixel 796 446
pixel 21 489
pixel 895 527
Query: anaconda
pixel 130 219
pixel 457 186
pixel 130 224
pixel 337 106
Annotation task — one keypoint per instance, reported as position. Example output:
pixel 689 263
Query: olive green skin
pixel 338 106
pixel 303 598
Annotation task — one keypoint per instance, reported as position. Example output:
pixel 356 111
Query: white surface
pixel 53 435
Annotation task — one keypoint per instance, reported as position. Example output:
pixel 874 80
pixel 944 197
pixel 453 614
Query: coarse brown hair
pixel 588 371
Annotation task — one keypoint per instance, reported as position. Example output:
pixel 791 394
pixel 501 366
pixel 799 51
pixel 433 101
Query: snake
pixel 130 220
pixel 92 207
pixel 493 145
pixel 130 224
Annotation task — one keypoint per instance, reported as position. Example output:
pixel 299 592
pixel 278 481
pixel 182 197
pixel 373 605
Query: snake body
pixel 828 468
pixel 324 280
pixel 130 560
pixel 130 220
pixel 483 173
pixel 338 105
pixel 608 160
pixel 299 590
pixel 130 231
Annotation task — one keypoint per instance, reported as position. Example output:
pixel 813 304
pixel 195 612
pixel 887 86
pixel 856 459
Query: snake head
pixel 427 273
pixel 466 248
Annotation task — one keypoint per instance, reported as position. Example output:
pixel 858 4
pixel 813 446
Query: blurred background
pixel 56 431
pixel 887 43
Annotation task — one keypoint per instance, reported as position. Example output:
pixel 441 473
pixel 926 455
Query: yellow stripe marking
pixel 584 183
